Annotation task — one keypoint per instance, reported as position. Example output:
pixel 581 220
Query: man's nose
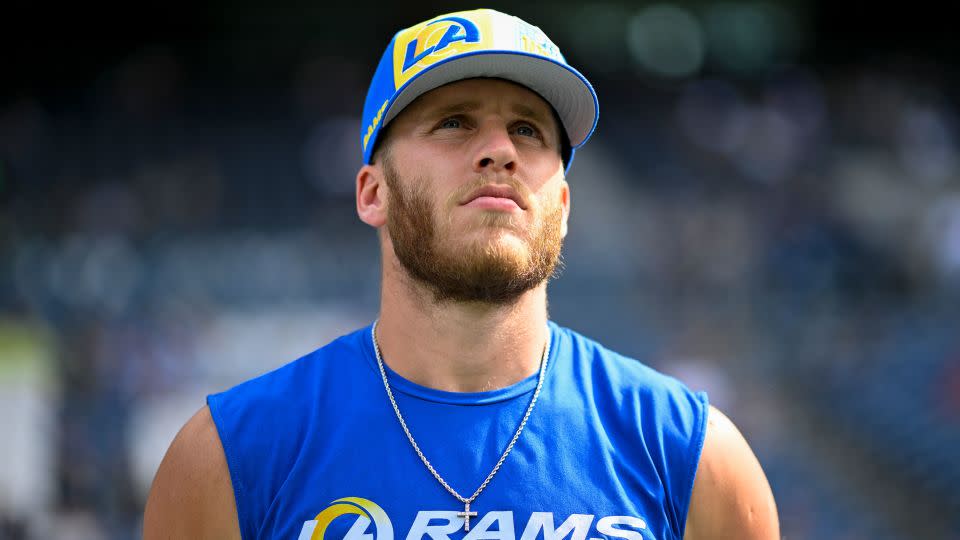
pixel 496 150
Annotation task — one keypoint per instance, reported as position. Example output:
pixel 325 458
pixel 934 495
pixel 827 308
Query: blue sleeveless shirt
pixel 315 450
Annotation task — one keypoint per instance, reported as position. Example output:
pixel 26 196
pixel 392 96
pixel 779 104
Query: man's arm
pixel 731 497
pixel 192 495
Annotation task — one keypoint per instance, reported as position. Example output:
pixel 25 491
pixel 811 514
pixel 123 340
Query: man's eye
pixel 450 123
pixel 526 131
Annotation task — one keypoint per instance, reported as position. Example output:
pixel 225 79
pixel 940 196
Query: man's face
pixel 477 203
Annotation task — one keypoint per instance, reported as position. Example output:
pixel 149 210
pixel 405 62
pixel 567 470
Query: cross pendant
pixel 466 515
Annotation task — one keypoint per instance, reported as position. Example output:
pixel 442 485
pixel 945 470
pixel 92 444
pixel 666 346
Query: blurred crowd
pixel 789 243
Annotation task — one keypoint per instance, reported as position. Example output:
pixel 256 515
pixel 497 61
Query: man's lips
pixel 496 197
pixel 493 203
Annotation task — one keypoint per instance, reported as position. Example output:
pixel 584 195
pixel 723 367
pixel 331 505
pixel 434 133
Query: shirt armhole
pixel 695 450
pixel 213 402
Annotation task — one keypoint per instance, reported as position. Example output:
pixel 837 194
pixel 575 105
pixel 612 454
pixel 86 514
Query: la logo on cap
pixel 424 45
pixel 461 30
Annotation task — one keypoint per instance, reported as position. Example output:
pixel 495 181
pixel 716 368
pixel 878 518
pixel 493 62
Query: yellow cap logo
pixel 425 44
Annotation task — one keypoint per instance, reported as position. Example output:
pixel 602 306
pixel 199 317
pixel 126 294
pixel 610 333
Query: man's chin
pixel 492 270
pixel 501 247
pixel 507 232
pixel 475 219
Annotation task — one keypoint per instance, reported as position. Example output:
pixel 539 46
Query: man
pixel 462 412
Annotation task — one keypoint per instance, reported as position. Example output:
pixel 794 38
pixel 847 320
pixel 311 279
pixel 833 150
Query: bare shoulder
pixel 192 495
pixel 731 496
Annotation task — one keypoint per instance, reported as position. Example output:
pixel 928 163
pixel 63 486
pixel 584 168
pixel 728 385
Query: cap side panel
pixel 380 94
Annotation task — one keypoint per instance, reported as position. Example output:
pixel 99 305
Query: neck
pixel 457 346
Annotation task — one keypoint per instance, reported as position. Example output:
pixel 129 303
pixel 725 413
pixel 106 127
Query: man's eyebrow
pixel 525 111
pixel 459 107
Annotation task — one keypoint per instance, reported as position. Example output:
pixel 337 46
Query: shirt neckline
pixel 400 384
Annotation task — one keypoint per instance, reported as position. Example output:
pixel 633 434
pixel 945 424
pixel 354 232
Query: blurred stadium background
pixel 769 210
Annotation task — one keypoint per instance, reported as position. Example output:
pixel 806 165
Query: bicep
pixel 731 496
pixel 192 495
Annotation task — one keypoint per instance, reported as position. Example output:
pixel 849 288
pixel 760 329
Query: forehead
pixel 481 93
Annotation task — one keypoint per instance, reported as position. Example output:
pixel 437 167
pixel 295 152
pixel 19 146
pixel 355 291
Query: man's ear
pixel 565 204
pixel 371 196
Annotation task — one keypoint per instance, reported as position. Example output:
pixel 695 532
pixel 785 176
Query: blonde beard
pixel 491 271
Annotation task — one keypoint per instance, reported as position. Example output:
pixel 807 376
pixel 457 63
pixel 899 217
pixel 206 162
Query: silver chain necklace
pixel 466 514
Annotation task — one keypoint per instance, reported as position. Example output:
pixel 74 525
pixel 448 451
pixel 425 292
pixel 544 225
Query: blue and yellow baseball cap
pixel 478 43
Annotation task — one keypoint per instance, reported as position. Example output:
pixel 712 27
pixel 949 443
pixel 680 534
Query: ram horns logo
pixel 366 511
pixel 434 40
